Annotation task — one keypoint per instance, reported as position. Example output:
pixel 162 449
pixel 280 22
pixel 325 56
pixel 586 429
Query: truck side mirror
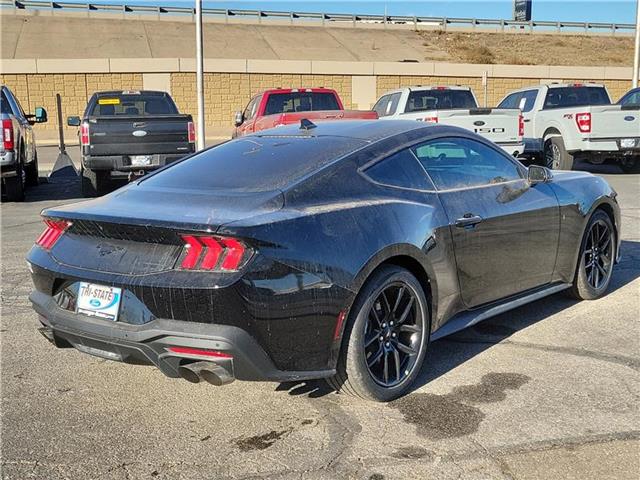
pixel 238 119
pixel 73 121
pixel 41 115
pixel 538 174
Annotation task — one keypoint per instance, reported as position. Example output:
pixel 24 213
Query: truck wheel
pixel 94 182
pixel 14 186
pixel 31 171
pixel 630 164
pixel 556 156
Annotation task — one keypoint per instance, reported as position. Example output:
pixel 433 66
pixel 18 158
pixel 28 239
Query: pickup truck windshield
pixel 300 102
pixel 133 104
pixel 421 100
pixel 562 97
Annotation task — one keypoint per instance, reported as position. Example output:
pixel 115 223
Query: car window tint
pixel 632 98
pixel 460 162
pixel 4 104
pixel 529 100
pixel 108 105
pixel 561 97
pixel 511 101
pixel 400 170
pixel 382 105
pixel 300 102
pixel 421 100
pixel 255 163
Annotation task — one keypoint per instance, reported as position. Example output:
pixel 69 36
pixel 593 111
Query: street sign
pixel 522 10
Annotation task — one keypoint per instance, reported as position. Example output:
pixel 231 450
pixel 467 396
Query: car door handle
pixel 468 220
pixel 526 120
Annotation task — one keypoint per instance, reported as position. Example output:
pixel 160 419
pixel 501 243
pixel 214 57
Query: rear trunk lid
pixel 136 230
pixel 138 135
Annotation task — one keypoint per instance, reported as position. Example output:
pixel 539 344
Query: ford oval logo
pixel 629 118
pixel 139 133
pixel 94 302
pixel 478 123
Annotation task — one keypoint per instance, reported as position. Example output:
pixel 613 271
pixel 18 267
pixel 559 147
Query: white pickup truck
pixel 567 122
pixel 454 106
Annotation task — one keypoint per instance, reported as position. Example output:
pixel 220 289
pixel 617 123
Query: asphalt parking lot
pixel 547 391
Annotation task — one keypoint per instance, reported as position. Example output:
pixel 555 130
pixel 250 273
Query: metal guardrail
pixel 324 18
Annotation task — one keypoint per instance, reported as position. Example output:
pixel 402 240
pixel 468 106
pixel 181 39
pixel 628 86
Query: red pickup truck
pixel 273 108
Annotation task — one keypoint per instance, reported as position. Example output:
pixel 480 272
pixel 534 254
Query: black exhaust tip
pixel 207 371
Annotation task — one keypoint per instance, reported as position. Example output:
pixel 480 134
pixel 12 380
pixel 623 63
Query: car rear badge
pixel 478 123
pixel 629 118
pixel 139 133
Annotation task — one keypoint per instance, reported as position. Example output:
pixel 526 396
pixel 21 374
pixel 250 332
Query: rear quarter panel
pixel 579 195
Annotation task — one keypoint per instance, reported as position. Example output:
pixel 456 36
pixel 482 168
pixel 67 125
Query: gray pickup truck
pixel 128 133
pixel 18 155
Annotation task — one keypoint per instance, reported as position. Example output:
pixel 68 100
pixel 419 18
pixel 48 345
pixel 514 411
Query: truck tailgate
pixel 497 125
pixel 133 135
pixel 613 121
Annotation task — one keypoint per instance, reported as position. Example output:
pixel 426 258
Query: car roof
pixel 130 92
pixel 367 130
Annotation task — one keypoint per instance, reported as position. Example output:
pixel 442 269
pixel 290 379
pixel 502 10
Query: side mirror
pixel 537 174
pixel 41 115
pixel 73 121
pixel 238 119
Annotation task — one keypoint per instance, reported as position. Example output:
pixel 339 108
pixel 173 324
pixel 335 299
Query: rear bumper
pixel 122 163
pixel 148 343
pixel 611 146
pixel 513 149
pixel 7 164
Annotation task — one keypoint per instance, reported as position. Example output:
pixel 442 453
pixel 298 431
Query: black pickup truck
pixel 127 133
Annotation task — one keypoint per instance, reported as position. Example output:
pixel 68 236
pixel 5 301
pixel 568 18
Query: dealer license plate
pixel 99 301
pixel 140 160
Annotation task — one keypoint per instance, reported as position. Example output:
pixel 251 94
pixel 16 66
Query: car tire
pixel 596 259
pixel 94 182
pixel 555 155
pixel 358 372
pixel 14 186
pixel 630 165
pixel 31 171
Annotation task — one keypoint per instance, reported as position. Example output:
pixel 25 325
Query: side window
pixel 393 103
pixel 381 106
pixel 461 163
pixel 250 111
pixel 4 104
pixel 400 170
pixel 529 98
pixel 631 99
pixel 511 101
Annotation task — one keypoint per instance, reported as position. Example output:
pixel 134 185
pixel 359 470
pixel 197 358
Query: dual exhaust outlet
pixel 208 371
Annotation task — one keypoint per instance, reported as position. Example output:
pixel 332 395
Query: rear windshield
pixel 133 104
pixel 4 105
pixel 576 97
pixel 439 100
pixel 300 102
pixel 254 163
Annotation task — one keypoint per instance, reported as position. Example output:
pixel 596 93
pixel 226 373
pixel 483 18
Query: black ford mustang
pixel 332 252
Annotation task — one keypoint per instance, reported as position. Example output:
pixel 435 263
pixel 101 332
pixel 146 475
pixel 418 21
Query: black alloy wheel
pixel 393 335
pixel 598 254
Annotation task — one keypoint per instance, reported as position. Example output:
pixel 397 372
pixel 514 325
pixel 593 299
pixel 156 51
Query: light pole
pixel 636 58
pixel 199 76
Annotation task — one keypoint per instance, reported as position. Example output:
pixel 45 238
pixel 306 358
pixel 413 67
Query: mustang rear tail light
pixel 7 134
pixel 583 120
pixel 51 234
pixel 84 134
pixel 220 254
pixel 520 125
pixel 199 352
pixel 191 132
